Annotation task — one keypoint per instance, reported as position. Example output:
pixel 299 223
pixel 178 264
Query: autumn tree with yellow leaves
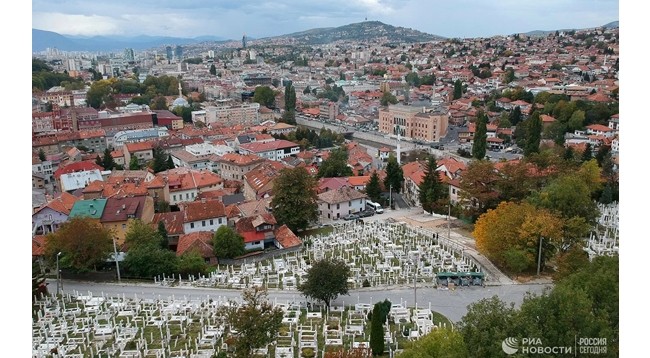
pixel 509 235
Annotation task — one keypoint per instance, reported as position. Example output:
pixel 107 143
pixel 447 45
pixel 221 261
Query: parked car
pixel 366 213
pixel 351 217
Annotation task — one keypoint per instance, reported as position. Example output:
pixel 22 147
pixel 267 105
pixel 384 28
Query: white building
pixel 335 204
pixel 79 180
pixel 275 150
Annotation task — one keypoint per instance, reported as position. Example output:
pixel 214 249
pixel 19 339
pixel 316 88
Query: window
pixel 174 197
pixel 203 223
pixel 123 226
pixel 211 222
pixel 338 206
pixel 219 220
pixel 191 225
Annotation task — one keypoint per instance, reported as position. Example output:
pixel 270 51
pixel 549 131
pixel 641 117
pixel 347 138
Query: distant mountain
pixel 41 40
pixel 611 25
pixel 361 31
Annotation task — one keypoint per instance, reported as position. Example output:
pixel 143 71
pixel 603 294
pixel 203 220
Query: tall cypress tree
pixel 377 331
pixel 515 116
pixel 480 137
pixel 108 162
pixel 458 89
pixel 373 190
pixel 394 175
pixel 534 134
pixel 430 189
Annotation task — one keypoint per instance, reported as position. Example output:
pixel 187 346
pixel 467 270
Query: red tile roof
pixel 199 210
pixel 138 147
pixel 240 159
pixel 38 245
pixel 173 222
pixel 262 174
pixel 184 179
pixel 123 208
pixel 200 240
pixel 77 167
pixel 258 147
pixel 286 238
pixel 340 195
pixel 62 203
pixel 115 189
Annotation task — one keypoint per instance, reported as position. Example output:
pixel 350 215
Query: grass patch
pixel 325 230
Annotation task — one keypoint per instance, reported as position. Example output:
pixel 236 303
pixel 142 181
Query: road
pixel 452 304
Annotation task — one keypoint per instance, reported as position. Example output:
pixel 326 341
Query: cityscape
pixel 363 189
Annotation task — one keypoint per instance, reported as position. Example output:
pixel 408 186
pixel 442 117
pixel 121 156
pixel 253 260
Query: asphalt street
pixel 451 303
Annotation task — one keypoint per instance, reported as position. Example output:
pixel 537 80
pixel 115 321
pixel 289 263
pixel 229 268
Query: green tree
pixel 295 202
pixel 164 236
pixel 485 325
pixel 480 137
pixel 431 188
pixel 227 243
pixel 586 154
pixel 99 93
pixel 377 331
pixel 159 159
pixel 440 342
pixel 290 98
pixel 533 135
pixel 170 162
pixel 570 262
pixel 394 174
pixel 213 70
pixel 98 160
pixel 576 121
pixel 458 89
pixel 192 263
pixel 307 90
pixel 326 280
pixel 515 116
pixel 147 255
pixel 517 260
pixel 41 155
pixel 256 321
pixel 134 164
pixel 265 96
pixel 568 195
pixel 387 98
pixel 108 163
pixel 336 165
pixel 413 79
pixel 84 244
pixel 373 188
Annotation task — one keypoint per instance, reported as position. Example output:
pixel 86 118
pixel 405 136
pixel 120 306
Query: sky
pixel 231 19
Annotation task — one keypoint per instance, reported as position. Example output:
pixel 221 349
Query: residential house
pixel 258 183
pixel 119 212
pixel 173 222
pixel 327 184
pixel 78 180
pixel 234 166
pixel 335 204
pixel 38 180
pixel 185 184
pixel 92 208
pixel 358 182
pixel 141 150
pixel 285 238
pixel 413 174
pixel 204 215
pixel 257 230
pixel 276 150
pixel 49 217
pixel 200 241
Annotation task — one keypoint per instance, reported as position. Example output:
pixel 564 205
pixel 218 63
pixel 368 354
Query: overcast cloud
pixel 231 19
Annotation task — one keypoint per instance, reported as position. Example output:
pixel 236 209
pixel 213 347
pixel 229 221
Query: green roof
pixel 93 208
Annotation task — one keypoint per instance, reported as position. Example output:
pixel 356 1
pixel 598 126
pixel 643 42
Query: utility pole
pixel 117 264
pixel 448 220
pixel 539 255
pixel 58 274
pixel 390 196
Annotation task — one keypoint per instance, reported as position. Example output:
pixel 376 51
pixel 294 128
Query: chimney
pixel 203 200
pixel 123 206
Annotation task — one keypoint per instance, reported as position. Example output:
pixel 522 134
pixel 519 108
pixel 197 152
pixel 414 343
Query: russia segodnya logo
pixel 510 345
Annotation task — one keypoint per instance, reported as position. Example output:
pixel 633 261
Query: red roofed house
pixel 120 211
pixel 173 222
pixel 204 215
pixel 75 167
pixel 185 184
pixel 546 120
pixel 413 174
pixel 257 230
pixel 601 130
pixel 50 216
pixel 285 238
pixel 258 183
pixel 200 241
pixel 334 204
pixel 234 166
pixel 358 182
pixel 141 150
pixel 327 184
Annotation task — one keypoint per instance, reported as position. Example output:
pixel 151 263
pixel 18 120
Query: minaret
pixel 399 154
pixel 180 90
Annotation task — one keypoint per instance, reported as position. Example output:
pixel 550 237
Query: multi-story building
pixel 229 114
pixel 275 150
pixel 334 204
pixel 233 166
pixel 204 215
pixel 415 123
pixel 120 211
pixel 329 110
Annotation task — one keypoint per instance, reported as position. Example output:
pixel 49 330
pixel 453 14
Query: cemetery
pixel 379 254
pixel 603 240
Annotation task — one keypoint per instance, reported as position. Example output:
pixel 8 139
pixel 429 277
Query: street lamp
pixel 58 274
pixel 117 264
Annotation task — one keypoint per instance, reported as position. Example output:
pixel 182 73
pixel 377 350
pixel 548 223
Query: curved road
pixel 452 304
